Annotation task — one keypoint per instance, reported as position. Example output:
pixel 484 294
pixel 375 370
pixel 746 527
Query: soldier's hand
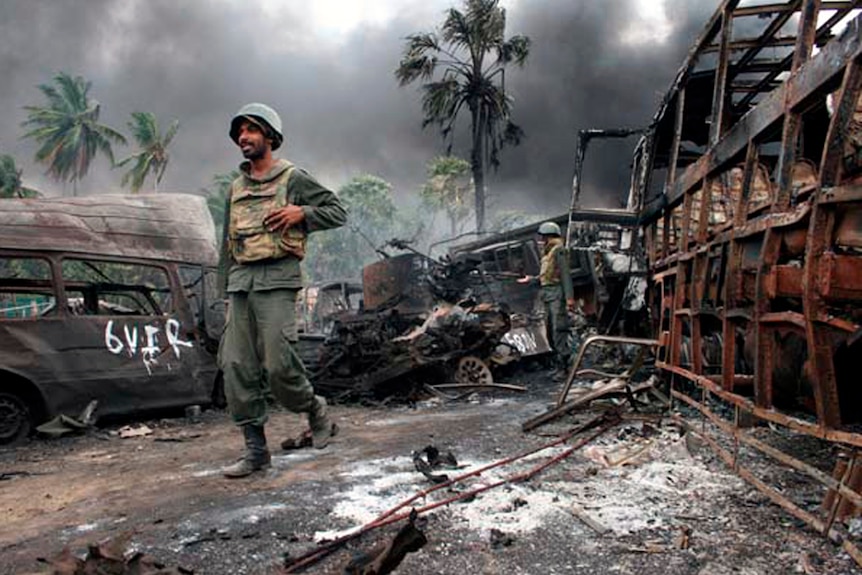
pixel 283 218
pixel 570 305
pixel 524 280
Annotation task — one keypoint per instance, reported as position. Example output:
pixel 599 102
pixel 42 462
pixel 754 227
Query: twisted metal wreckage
pixel 744 224
pixel 746 205
pixel 416 314
pixel 743 232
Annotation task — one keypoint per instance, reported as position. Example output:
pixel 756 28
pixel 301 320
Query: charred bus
pixel 110 298
pixel 746 198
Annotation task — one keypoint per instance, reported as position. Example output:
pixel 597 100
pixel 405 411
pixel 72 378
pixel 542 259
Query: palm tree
pixel 68 129
pixel 153 155
pixel 461 51
pixel 10 180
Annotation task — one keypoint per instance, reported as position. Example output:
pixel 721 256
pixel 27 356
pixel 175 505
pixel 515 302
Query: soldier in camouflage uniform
pixel 557 294
pixel 273 206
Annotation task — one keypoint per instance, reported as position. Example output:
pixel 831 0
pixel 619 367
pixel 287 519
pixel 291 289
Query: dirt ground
pixel 664 503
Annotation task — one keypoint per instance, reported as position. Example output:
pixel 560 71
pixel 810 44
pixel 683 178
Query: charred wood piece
pixel 381 561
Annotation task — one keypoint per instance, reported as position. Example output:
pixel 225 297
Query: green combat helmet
pixel 263 116
pixel 550 229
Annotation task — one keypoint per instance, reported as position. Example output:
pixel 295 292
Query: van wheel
pixel 15 421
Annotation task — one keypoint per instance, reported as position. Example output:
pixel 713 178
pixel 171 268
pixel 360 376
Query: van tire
pixel 15 418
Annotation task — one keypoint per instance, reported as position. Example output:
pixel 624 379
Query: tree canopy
pixel 462 66
pixel 372 221
pixel 152 157
pixel 67 129
pixel 449 188
pixel 10 180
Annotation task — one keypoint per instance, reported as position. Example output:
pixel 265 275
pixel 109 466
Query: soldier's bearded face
pixel 251 141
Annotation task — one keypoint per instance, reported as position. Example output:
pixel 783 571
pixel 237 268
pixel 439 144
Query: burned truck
pixel 111 298
pixel 745 197
pixel 418 318
pixel 607 269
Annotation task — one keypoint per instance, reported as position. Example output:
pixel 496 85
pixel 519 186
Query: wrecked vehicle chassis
pixel 400 330
pixel 366 352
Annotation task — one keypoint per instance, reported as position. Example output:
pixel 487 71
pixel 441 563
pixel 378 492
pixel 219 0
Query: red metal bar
pixel 775 496
pixel 740 435
pixel 391 517
pixel 719 96
pixel 848 438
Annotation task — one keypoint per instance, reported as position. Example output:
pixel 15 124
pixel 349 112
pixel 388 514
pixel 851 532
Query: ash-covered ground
pixel 642 497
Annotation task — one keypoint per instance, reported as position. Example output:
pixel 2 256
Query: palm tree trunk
pixel 477 164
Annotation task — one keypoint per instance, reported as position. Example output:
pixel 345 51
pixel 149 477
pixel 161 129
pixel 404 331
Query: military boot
pixel 322 428
pixel 256 455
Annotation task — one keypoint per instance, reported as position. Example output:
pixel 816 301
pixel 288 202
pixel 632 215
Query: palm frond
pixel 515 50
pixel 172 131
pixel 457 30
pixel 67 128
pixel 152 156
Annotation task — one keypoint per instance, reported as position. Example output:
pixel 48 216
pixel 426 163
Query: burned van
pixel 110 298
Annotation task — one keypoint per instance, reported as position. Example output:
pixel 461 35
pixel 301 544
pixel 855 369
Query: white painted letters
pixel 150 350
pixel 112 342
pixel 131 340
pixel 173 328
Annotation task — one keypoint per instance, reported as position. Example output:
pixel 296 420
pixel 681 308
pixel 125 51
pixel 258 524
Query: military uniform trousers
pixel 257 356
pixel 558 326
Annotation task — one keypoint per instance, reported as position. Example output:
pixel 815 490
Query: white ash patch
pixel 387 483
pixel 516 508
pixel 384 483
pixel 652 488
pixel 655 481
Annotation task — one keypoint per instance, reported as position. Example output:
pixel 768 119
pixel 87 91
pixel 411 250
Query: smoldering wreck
pixel 710 421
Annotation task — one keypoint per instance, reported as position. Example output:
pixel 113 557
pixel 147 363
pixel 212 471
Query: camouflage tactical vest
pixel 249 240
pixel 549 271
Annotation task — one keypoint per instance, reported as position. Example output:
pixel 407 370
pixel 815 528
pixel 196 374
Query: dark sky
pixel 344 114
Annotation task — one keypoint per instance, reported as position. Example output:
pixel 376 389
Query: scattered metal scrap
pixel 109 557
pixel 63 424
pixel 618 383
pixel 430 459
pixel 594 428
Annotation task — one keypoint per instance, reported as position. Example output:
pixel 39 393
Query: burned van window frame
pixel 108 287
pixel 192 282
pixel 29 284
